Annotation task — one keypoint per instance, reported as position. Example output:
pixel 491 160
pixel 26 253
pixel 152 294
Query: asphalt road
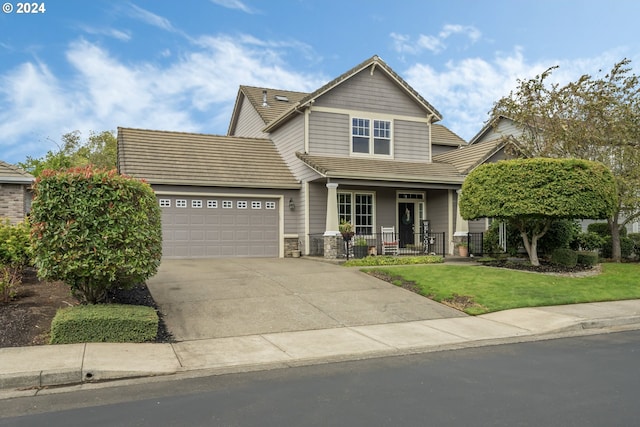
pixel 587 381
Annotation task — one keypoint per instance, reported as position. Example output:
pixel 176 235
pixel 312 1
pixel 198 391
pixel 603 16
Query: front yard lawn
pixel 487 289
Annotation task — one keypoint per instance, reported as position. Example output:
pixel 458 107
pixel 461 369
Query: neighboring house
pixel 15 192
pixel 504 130
pixel 365 148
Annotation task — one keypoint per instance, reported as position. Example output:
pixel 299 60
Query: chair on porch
pixel 389 241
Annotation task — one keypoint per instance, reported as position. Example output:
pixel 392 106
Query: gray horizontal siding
pixel 367 92
pixel 410 141
pixel 329 134
pixel 438 210
pixel 249 124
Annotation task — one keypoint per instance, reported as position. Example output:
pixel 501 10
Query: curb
pixel 38 380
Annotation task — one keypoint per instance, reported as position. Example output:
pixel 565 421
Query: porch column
pixel 332 238
pixel 331 227
pixel 462 226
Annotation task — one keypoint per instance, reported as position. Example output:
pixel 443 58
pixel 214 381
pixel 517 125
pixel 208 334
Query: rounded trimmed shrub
pixel 560 235
pixel 564 257
pixel 587 258
pixel 94 229
pixel 590 241
pixel 626 247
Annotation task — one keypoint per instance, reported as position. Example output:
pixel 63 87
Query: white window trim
pixel 181 203
pixel 227 204
pixel 165 203
pixel 196 203
pixel 371 119
pixel 242 204
pixel 212 204
pixel 353 208
pixel 269 205
pixel 256 204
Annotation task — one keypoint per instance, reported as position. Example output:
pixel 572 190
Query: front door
pixel 406 215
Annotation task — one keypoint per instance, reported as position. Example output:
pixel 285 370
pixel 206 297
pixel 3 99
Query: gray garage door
pixel 212 227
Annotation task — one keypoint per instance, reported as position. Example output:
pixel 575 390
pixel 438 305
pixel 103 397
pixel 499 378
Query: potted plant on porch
pixel 463 249
pixel 360 248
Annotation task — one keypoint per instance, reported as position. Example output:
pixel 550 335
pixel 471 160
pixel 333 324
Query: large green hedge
pixel 94 229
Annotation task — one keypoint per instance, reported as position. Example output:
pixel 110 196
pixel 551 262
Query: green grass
pixel 371 261
pixel 494 289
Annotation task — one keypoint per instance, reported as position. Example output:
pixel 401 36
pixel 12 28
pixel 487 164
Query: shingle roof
pixel 179 158
pixel 13 174
pixel 275 107
pixel 375 61
pixel 383 170
pixel 444 136
pixel 470 156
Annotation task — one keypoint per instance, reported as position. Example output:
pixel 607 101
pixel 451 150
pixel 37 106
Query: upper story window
pixel 365 140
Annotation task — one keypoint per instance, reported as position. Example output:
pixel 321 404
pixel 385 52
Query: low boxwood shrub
pixel 626 247
pixel 565 257
pixel 587 258
pixel 392 260
pixel 104 323
pixel 636 242
pixel 590 241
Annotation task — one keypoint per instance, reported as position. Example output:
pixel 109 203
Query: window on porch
pixel 357 208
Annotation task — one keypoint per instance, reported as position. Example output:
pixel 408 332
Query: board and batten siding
pixel 249 122
pixel 371 92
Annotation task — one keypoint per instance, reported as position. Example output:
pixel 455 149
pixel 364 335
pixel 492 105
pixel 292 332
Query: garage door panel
pixel 197 235
pixel 220 228
pixel 197 220
pixel 181 235
pixel 181 219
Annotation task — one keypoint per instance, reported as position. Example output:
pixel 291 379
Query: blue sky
pixel 176 65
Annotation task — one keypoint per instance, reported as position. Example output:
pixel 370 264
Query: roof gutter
pixel 152 181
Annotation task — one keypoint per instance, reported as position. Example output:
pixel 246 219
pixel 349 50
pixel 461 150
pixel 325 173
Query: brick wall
pixel 12 202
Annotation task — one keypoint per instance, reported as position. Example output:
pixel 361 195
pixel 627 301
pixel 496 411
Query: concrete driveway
pixel 216 298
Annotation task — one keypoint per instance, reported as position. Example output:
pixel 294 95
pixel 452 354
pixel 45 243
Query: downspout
pixel 429 121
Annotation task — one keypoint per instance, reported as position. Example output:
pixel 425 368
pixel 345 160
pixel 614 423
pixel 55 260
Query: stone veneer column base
pixel 331 246
pixel 290 245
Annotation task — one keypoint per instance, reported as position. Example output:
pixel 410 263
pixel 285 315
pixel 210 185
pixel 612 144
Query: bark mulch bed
pixel 26 319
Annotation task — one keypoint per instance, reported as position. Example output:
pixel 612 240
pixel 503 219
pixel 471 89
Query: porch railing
pixel 475 244
pixel 378 244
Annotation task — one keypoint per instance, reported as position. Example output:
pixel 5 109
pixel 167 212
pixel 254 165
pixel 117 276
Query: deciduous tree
pixel 530 194
pixel 593 118
pixel 98 150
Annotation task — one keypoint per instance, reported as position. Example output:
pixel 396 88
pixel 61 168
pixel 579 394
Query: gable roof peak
pixel 374 61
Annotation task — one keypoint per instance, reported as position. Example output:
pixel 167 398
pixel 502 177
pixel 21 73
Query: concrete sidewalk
pixel 25 370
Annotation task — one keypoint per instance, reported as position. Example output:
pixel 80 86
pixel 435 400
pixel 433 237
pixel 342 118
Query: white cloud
pixel 234 4
pixel 109 32
pixel 194 92
pixel 151 18
pixel 433 43
pixel 465 90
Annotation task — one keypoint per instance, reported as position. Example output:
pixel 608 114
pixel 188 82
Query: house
pixel 364 148
pixel 15 192
pixel 505 130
